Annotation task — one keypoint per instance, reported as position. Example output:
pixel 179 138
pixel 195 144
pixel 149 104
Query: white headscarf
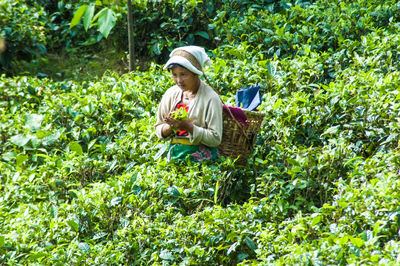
pixel 193 58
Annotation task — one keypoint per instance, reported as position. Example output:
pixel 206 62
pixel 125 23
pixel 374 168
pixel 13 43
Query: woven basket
pixel 238 140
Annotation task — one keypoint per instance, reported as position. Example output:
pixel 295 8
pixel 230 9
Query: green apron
pixel 197 153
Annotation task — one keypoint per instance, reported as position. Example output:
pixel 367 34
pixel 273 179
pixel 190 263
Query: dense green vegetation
pixel 83 179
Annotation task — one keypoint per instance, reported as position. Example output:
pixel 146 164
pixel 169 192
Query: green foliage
pixel 158 26
pixel 23 29
pixel 180 114
pixel 105 18
pixel 83 179
pixel 162 25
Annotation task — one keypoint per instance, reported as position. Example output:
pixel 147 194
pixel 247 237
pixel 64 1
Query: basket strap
pixel 229 110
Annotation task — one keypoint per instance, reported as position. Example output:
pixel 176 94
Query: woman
pixel 198 136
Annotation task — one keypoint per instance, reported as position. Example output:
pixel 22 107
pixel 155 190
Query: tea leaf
pixel 20 140
pixel 166 255
pixel 33 121
pixel 75 147
pixel 84 247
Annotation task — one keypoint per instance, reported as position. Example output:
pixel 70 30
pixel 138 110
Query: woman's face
pixel 185 79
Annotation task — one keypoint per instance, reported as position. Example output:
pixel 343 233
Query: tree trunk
pixel 130 36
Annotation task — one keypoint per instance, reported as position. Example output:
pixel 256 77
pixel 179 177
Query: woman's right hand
pixel 166 130
pixel 170 126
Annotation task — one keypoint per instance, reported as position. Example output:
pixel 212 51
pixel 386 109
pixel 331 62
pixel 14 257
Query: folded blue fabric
pixel 248 98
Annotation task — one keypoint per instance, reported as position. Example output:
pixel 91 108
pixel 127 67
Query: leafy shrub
pixel 23 29
pixel 83 179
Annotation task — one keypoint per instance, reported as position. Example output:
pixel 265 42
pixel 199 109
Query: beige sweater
pixel 205 110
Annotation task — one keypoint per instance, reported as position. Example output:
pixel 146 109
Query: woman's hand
pixel 186 125
pixel 166 130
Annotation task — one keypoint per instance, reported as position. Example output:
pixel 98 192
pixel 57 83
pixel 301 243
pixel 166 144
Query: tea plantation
pixel 84 180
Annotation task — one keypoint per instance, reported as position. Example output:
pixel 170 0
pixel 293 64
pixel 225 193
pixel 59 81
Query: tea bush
pixel 84 180
pixel 24 30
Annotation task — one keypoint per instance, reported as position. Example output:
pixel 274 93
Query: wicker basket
pixel 238 140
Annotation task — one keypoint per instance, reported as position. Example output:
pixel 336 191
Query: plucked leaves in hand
pixel 180 114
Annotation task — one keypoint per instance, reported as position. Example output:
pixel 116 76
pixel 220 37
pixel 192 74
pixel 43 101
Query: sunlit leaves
pixel 20 140
pixel 166 255
pixel 74 224
pixel 105 18
pixel 84 180
pixel 78 15
pixel 84 247
pixel 106 21
pixel 75 147
pixel 33 121
pixel 88 16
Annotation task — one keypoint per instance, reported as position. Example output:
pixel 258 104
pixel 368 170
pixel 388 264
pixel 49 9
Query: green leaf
pixel 51 139
pixel 391 137
pixel 190 38
pixel 277 104
pixel 242 256
pixel 157 48
pixel 173 192
pixel 84 247
pixel 209 7
pixel 250 243
pixel 357 241
pixel 106 21
pixel 88 16
pixel 2 241
pixel 124 223
pixel 37 255
pixel 42 49
pixel 115 201
pixel 203 34
pixel 316 220
pixel 232 248
pixel 73 224
pixel 331 130
pixel 166 255
pixel 75 147
pixel 8 156
pixel 356 251
pixel 41 133
pixel 21 158
pixel 77 16
pixel 53 211
pixel 163 148
pixel 271 69
pixel 33 121
pixel 216 192
pixel 180 114
pixel 343 240
pixel 99 235
pixel 353 159
pixel 20 140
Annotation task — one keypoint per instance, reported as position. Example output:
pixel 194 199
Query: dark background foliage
pixel 158 26
pixel 83 179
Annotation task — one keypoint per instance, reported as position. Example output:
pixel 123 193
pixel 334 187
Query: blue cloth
pixel 248 98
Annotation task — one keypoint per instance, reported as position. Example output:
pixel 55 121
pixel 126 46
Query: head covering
pixel 193 58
